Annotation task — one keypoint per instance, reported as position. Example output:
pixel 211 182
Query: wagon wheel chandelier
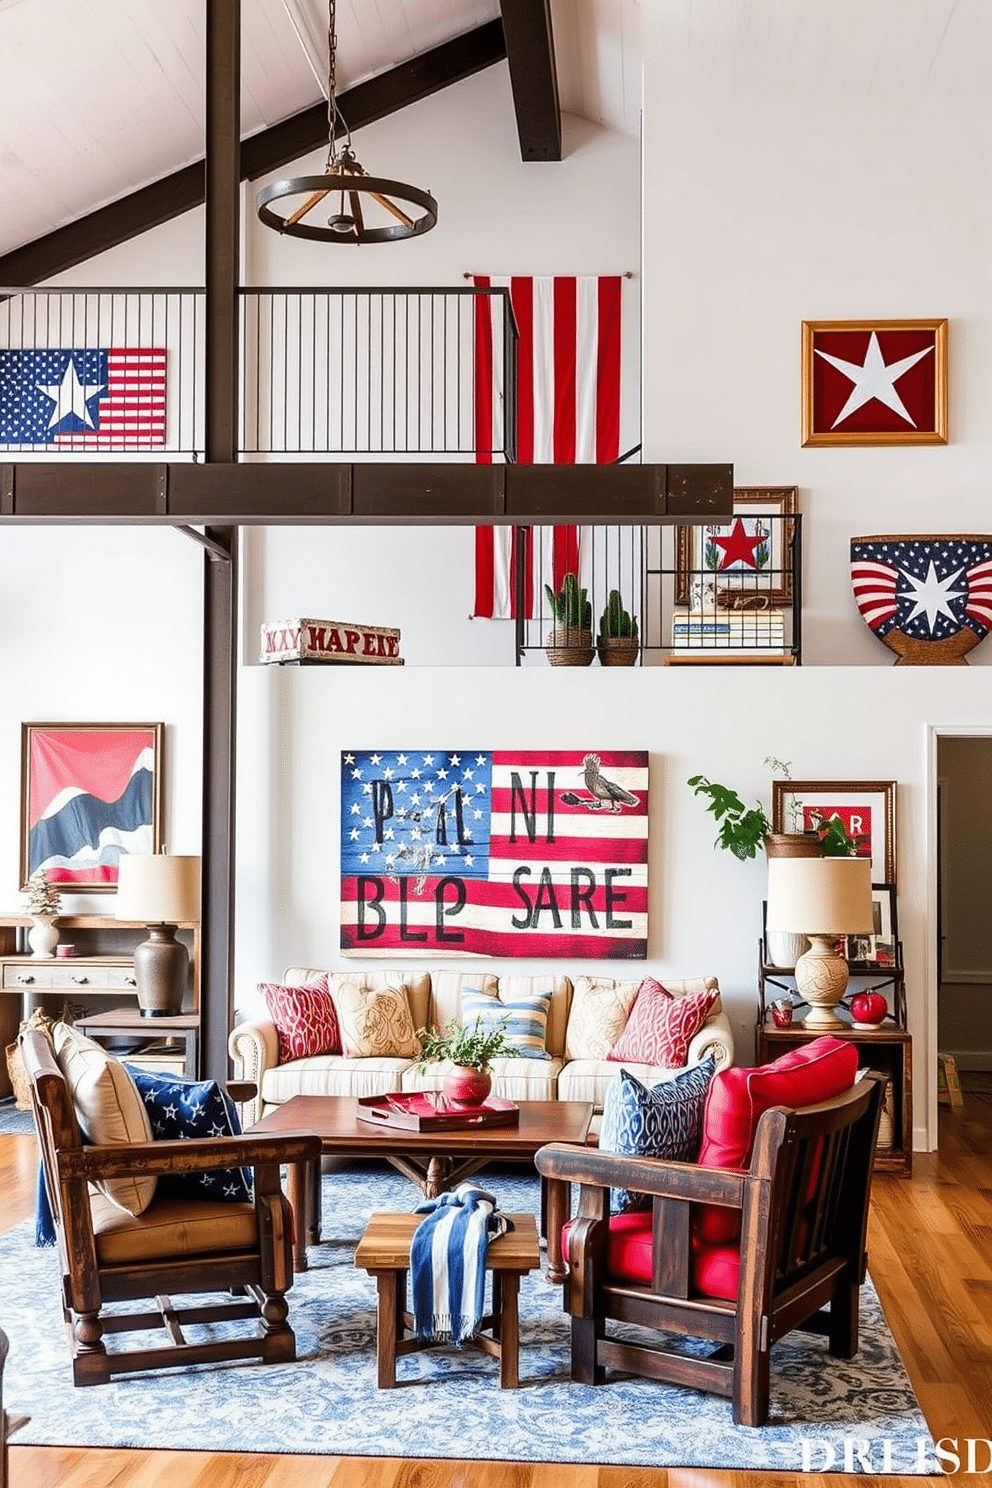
pixel 352 191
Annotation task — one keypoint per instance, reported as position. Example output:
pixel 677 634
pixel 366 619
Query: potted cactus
pixel 569 641
pixel 617 643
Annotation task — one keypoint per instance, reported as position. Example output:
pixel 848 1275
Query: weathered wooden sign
pixel 307 642
pixel 494 853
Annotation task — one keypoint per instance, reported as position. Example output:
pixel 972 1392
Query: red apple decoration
pixel 868 1009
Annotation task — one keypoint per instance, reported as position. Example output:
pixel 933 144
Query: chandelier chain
pixel 332 105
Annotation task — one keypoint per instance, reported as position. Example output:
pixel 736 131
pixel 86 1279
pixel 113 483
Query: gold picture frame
pixel 867 808
pixel 907 406
pixel 770 582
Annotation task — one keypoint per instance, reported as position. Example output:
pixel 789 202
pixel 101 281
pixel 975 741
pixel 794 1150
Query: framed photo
pixel 748 560
pixel 874 381
pixel 866 807
pixel 90 792
pixel 878 948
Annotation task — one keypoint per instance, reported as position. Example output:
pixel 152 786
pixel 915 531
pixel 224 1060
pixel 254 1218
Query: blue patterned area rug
pixel 827 1415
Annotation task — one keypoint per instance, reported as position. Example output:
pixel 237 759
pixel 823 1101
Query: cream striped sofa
pixel 586 1017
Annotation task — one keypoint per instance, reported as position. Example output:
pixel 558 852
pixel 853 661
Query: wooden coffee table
pixel 432 1160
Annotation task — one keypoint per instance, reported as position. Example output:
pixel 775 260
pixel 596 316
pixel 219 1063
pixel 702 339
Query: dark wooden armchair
pixel 803 1206
pixel 243 1250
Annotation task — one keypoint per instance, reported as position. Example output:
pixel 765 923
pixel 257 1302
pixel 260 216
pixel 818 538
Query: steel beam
pixel 365 494
pixel 222 243
pixel 530 51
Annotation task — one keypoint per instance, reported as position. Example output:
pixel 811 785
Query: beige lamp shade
pixel 157 889
pixel 820 896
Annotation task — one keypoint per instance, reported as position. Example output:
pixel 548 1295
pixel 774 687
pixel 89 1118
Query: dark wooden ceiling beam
pixel 530 51
pixel 162 200
pixel 364 494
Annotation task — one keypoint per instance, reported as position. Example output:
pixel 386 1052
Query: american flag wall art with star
pixel 928 598
pixel 882 382
pixel 83 398
pixel 472 852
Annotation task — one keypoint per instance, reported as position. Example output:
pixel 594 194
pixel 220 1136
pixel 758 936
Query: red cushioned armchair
pixel 802 1205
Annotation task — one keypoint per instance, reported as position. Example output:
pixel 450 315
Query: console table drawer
pixel 66 976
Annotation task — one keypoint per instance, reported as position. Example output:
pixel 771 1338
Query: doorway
pixel 964 900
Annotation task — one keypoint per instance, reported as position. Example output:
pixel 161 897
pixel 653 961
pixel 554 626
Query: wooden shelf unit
pixel 101 969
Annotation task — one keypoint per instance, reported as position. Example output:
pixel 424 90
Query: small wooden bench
pixel 384 1252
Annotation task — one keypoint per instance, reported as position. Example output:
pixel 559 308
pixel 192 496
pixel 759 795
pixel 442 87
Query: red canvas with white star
pixel 880 384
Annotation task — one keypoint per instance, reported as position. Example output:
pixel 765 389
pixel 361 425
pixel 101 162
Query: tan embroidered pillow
pixel 375 1022
pixel 108 1108
pixel 598 1015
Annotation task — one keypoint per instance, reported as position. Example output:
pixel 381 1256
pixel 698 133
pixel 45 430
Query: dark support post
pixel 223 84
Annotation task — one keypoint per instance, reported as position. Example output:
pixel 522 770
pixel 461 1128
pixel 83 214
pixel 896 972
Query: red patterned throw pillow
pixel 304 1017
pixel 661 1027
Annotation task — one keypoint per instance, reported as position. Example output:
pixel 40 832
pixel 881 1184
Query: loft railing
pixel 101 373
pixel 373 371
pixel 357 373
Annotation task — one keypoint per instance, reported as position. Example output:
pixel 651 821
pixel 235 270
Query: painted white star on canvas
pixel 873 379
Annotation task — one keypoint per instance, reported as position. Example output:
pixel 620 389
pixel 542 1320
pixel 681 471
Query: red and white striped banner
pixel 567 413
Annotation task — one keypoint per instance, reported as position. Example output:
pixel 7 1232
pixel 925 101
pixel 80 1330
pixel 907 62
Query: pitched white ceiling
pixel 98 97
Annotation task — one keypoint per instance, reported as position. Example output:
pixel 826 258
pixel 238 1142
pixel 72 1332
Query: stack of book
pixel 712 632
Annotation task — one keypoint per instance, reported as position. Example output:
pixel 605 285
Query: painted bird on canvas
pixel 607 792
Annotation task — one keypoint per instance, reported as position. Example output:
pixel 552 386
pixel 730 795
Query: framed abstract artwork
pixel 866 807
pixel 749 557
pixel 482 852
pixel 874 381
pixel 90 793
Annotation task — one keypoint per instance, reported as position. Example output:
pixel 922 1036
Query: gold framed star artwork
pixel 874 382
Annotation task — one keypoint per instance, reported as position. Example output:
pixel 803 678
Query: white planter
pixel 784 948
pixel 43 937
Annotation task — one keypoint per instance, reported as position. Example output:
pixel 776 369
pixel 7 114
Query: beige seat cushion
pixel 108 1108
pixel 170 1227
pixel 332 1074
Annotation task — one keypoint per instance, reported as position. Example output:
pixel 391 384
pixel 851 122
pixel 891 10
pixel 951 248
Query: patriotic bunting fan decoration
pixel 928 598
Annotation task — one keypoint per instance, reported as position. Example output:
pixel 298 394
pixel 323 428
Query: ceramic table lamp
pixel 824 898
pixel 160 892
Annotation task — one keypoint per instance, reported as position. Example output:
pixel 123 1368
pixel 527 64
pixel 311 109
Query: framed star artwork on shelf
pixel 874 382
pixel 743 563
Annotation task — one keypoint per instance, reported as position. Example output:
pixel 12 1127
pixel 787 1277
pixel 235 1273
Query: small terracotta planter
pixel 793 845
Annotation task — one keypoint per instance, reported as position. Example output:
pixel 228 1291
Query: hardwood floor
pixel 931 1259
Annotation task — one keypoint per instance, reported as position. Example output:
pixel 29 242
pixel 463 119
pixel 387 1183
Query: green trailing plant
pixel 570 606
pixel 44 899
pixel 743 829
pixel 473 1047
pixel 614 622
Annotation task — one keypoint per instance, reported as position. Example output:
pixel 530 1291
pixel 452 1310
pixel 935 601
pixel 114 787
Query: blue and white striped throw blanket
pixel 448 1262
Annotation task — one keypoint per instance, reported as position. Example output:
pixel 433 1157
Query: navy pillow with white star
pixel 179 1109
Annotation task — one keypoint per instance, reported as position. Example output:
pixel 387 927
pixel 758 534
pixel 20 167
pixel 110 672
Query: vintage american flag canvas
pixel 477 852
pixel 97 398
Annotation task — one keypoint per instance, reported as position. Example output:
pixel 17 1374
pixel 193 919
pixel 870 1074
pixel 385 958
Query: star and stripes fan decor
pixel 928 598
pixel 475 852
pixel 83 398
pixel 874 382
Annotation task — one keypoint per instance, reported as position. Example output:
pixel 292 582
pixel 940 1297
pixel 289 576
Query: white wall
pixel 103 625
pixel 801 182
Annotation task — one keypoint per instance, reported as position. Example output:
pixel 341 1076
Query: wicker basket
pixel 20 1083
pixel 566 645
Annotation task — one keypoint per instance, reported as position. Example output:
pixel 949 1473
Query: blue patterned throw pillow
pixel 193 1108
pixel 524 1019
pixel 664 1121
